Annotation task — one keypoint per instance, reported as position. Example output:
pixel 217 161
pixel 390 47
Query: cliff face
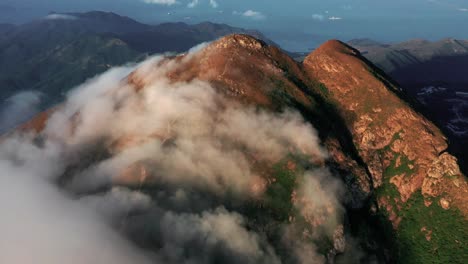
pixel 386 152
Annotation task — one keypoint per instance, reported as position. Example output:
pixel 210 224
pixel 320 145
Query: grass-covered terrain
pixel 276 204
pixel 278 194
pixel 431 234
pixel 275 212
pixel 425 234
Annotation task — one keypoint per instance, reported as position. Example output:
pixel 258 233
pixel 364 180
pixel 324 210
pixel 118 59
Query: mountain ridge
pixel 434 74
pixel 392 156
pixel 28 52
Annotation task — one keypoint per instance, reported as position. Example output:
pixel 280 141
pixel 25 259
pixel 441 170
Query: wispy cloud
pixel 213 3
pixel 463 9
pixel 193 4
pixel 19 108
pixel 335 18
pixel 251 14
pixel 161 2
pixel 60 16
pixel 318 17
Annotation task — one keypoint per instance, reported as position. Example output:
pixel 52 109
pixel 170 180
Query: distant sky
pixel 295 24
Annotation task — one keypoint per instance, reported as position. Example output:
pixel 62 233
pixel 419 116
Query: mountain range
pixel 62 50
pixel 419 62
pixel 405 198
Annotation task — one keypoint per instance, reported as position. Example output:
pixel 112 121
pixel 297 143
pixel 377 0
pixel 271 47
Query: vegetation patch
pixel 431 234
pixel 323 89
pixel 405 166
pixel 425 234
pixel 278 194
pixel 400 163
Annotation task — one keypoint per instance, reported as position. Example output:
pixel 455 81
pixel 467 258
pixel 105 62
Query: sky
pixel 297 25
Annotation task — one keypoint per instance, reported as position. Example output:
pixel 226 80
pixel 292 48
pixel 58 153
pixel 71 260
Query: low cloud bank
pixel 60 17
pixel 165 174
pixel 19 108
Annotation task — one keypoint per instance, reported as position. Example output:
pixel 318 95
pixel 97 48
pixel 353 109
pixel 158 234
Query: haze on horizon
pixel 296 25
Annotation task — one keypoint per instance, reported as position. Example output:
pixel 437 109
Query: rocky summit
pixel 404 198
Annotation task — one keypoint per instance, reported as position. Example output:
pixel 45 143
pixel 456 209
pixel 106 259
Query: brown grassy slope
pixel 251 72
pixel 254 73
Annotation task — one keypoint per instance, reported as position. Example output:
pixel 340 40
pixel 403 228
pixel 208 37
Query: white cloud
pixel 118 202
pixel 250 14
pixel 44 220
pixel 161 2
pixel 318 17
pixel 60 16
pixel 463 9
pixel 193 4
pixel 335 18
pixel 213 3
pixel 19 108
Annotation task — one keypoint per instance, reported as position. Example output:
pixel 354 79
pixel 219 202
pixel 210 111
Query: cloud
pixel 335 18
pixel 19 108
pixel 172 167
pixel 60 16
pixel 320 210
pixel 318 17
pixel 51 226
pixel 193 4
pixel 463 9
pixel 213 3
pixel 161 2
pixel 251 14
pixel 118 202
pixel 213 236
pixel 198 47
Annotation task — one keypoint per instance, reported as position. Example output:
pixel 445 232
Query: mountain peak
pixel 226 61
pixel 388 132
pixel 240 40
pixel 335 46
